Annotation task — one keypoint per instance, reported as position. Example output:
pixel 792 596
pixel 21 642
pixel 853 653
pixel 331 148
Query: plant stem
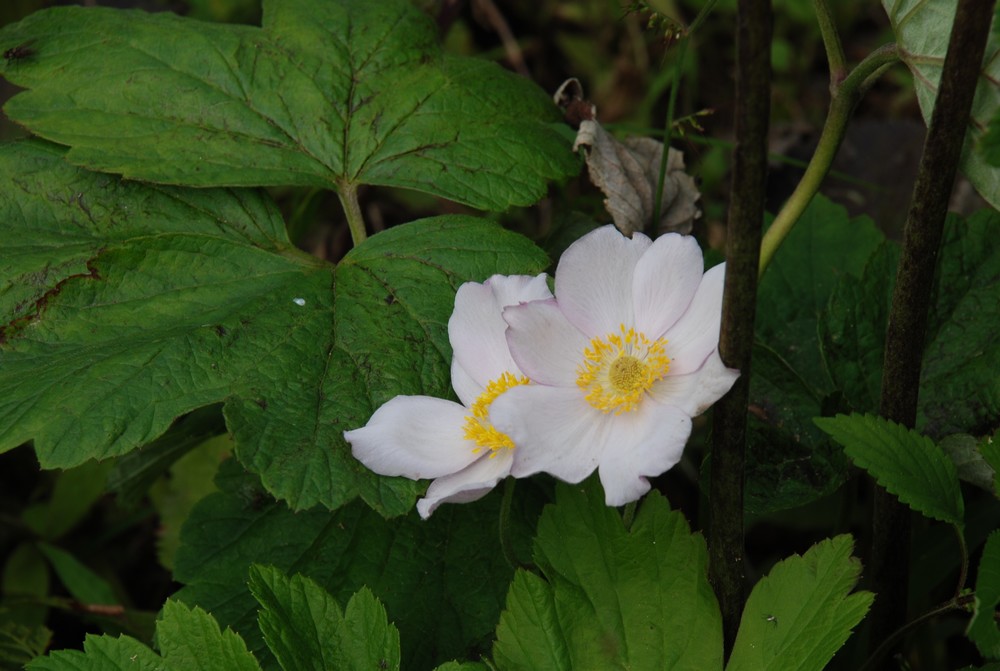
pixel 906 332
pixel 893 638
pixel 745 219
pixel 963 568
pixel 842 103
pixel 831 41
pixel 348 194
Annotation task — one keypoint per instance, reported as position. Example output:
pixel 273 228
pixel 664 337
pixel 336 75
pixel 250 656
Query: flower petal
pixel 470 484
pixel 694 392
pixel 414 436
pixel 647 443
pixel 666 278
pixel 594 280
pixel 467 389
pixel 476 327
pixel 554 430
pixel 545 345
pixel 696 335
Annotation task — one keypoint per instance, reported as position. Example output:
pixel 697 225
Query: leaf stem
pixel 348 193
pixel 831 41
pixel 963 569
pixel 844 99
pixel 892 639
pixel 745 219
pixel 906 331
pixel 668 127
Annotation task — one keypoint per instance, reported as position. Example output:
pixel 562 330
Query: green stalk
pixel 745 219
pixel 845 98
pixel 906 332
pixel 831 42
pixel 348 194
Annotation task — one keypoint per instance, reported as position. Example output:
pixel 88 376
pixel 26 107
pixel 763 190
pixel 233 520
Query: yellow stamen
pixel 477 425
pixel 619 368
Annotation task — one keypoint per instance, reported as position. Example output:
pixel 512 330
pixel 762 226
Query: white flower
pixel 623 356
pixel 455 444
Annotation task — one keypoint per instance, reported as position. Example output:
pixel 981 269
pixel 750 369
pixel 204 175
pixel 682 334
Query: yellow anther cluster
pixel 477 425
pixel 619 368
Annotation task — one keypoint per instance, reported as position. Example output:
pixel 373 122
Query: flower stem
pixel 745 218
pixel 348 194
pixel 842 103
pixel 905 334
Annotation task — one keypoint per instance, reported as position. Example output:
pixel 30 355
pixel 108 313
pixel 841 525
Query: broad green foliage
pixel 187 639
pixel 325 94
pixel 174 299
pixel 303 625
pixel 904 462
pixel 790 462
pixel 442 581
pixel 611 598
pixel 922 29
pixel 983 629
pixel 802 612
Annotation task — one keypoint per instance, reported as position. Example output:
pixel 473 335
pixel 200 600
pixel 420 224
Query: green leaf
pixel 20 643
pixel 959 388
pixel 73 494
pixel 989 447
pixel 462 666
pixel 85 585
pixel 989 143
pixel 442 580
pixel 922 30
pixel 902 461
pixel 983 630
pixel 324 94
pixel 26 574
pixel 188 639
pixel 174 299
pixel 611 598
pixel 802 612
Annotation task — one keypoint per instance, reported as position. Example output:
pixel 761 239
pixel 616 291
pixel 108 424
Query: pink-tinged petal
pixel 694 392
pixel 545 346
pixel 646 443
pixel 470 484
pixel 414 436
pixel 696 335
pixel 467 389
pixel 554 430
pixel 594 280
pixel 666 278
pixel 477 329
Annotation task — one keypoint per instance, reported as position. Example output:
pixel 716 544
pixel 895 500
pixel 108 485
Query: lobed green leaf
pixel 610 597
pixel 802 612
pixel 324 94
pixel 902 461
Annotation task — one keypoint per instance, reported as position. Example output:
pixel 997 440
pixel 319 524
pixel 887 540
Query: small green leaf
pixel 611 598
pixel 190 638
pixel 324 94
pixel 922 30
pixel 365 640
pixel 85 585
pixel 902 461
pixel 75 491
pixel 983 630
pixel 20 643
pixel 802 612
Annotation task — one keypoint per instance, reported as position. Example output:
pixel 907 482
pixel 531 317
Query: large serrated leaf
pixel 611 598
pixel 904 462
pixel 922 29
pixel 442 581
pixel 124 306
pixel 802 612
pixel 324 94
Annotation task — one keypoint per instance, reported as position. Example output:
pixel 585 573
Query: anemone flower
pixel 622 358
pixel 455 444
